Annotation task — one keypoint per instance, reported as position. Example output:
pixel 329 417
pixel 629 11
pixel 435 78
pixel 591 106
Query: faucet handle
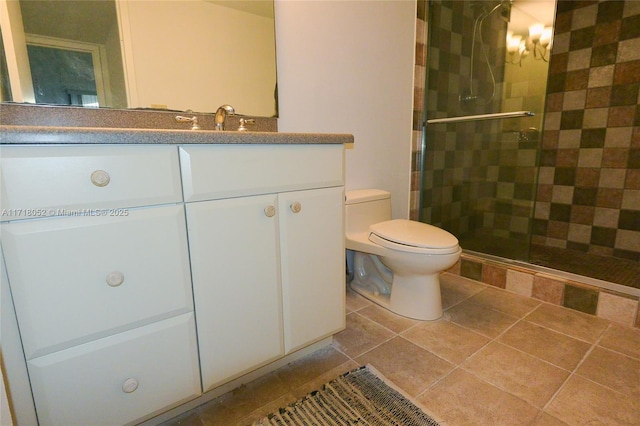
pixel 193 120
pixel 244 122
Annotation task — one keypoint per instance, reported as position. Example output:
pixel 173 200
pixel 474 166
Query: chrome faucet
pixel 221 115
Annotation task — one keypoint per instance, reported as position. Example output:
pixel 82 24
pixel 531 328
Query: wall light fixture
pixel 538 43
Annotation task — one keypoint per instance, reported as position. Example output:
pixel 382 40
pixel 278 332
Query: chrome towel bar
pixel 494 116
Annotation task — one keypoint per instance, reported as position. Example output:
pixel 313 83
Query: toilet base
pixel 415 297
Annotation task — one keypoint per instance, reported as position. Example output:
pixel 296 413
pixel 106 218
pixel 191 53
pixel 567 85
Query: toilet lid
pixel 414 234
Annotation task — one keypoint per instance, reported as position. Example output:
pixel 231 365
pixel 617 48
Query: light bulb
pixel 535 31
pixel 547 34
pixel 513 44
pixel 522 48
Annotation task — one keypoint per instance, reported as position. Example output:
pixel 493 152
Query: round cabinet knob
pixel 270 211
pixel 100 178
pixel 115 278
pixel 296 207
pixel 129 385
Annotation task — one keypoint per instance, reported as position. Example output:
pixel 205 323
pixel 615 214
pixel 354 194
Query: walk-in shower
pixel 526 155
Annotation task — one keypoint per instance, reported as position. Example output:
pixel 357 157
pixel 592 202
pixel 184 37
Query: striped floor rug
pixel 358 397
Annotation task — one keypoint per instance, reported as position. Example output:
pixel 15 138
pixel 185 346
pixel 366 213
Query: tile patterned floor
pixel 495 358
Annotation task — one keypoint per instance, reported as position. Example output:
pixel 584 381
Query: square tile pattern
pixel 590 139
pixel 479 179
pixel 622 308
pixel 495 358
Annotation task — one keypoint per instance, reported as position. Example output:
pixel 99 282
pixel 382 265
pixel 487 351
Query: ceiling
pixel 526 12
pixel 256 7
pixel 89 21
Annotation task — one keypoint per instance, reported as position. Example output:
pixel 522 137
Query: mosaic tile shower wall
pixel 588 193
pixel 514 162
pixel 589 190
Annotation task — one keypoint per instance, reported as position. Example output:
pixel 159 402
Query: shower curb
pixel 611 301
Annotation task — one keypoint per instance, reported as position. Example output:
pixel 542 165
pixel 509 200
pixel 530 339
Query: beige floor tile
pixel 613 370
pixel 354 301
pixel 583 402
pixel 263 411
pixel 504 301
pixel 455 289
pixel 327 376
pixel 360 335
pixel 446 339
pixel 520 374
pixel 545 419
pixel 480 318
pixel 310 367
pixel 423 357
pixel 462 399
pixel 408 366
pixel 622 339
pixel 229 408
pixel 570 322
pixel 388 319
pixel 556 348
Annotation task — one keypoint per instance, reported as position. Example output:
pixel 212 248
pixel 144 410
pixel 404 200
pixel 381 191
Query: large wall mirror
pixel 162 54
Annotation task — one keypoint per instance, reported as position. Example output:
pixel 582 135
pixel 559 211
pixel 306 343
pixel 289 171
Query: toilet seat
pixel 412 236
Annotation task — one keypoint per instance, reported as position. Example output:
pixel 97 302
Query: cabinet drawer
pixel 81 278
pixel 224 171
pixel 87 384
pixel 46 180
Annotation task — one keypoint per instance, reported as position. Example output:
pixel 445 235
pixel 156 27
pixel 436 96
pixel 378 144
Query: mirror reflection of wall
pixel 5 88
pixel 168 54
pixel 529 41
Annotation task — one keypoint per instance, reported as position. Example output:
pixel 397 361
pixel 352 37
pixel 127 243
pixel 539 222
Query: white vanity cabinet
pixel 145 275
pixel 100 280
pixel 267 250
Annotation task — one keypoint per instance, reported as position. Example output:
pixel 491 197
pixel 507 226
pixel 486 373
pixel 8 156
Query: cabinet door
pixel 313 264
pixel 118 379
pixel 235 273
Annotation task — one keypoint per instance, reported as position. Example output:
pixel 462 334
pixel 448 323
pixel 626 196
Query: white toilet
pixel 395 263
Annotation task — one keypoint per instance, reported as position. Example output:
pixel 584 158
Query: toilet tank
pixel 364 207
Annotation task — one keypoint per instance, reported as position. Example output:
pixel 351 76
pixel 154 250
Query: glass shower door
pixel 480 167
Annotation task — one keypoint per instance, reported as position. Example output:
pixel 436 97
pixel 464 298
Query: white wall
pixel 347 67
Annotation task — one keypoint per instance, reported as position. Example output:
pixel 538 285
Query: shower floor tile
pixel 612 269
